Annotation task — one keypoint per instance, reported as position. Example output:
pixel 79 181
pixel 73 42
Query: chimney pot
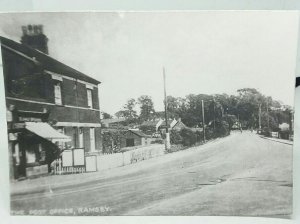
pixel 33 37
pixel 35 29
pixel 24 29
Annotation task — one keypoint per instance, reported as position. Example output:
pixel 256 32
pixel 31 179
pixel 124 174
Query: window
pixel 90 98
pixel 92 139
pixel 42 154
pixel 57 93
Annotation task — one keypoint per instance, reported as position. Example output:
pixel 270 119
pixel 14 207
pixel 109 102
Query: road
pixel 242 174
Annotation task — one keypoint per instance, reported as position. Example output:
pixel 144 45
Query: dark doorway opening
pixel 129 142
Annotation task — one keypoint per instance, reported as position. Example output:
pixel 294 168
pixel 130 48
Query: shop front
pixel 34 146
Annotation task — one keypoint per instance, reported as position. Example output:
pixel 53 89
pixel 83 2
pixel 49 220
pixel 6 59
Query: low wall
pixel 109 161
pixel 36 170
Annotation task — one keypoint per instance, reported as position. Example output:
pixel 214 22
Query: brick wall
pixel 59 113
pixel 26 80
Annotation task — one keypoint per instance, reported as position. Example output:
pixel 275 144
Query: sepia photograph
pixel 179 113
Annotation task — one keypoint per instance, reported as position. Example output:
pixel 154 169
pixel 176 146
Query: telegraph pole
pixel 259 118
pixel 214 102
pixel 203 120
pixel 167 141
pixel 268 114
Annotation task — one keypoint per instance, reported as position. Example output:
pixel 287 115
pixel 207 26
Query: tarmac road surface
pixel 242 174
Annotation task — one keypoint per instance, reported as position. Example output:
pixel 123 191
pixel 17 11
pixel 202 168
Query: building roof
pixel 150 123
pixel 139 133
pixel 155 122
pixel 47 62
pixel 163 124
pixel 44 130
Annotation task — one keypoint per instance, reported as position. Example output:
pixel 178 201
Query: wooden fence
pixel 108 161
pixel 59 169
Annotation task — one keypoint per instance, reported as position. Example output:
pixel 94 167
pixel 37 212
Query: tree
pixel 106 115
pixel 147 107
pixel 172 107
pixel 120 113
pixel 129 111
pixel 248 101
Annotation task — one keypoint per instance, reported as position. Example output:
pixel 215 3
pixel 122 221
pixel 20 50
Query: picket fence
pixel 108 161
pixel 58 169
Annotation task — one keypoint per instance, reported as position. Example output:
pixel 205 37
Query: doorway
pixel 129 142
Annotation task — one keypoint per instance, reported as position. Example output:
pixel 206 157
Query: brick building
pixel 50 106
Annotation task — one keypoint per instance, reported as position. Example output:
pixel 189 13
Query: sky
pixel 210 52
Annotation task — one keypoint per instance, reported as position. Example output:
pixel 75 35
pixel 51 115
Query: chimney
pixel 34 37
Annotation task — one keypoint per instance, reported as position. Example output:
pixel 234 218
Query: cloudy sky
pixel 203 52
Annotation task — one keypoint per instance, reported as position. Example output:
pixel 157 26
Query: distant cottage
pixel 154 126
pixel 50 106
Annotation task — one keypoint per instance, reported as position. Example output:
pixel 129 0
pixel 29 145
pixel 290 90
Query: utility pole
pixel 167 141
pixel 259 118
pixel 203 120
pixel 268 114
pixel 214 114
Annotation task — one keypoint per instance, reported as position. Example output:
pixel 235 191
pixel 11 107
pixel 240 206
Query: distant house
pixel 158 126
pixel 149 127
pixel 115 139
pixel 177 125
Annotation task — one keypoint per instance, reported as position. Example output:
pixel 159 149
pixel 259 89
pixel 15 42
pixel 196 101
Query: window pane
pixel 90 99
pixel 57 94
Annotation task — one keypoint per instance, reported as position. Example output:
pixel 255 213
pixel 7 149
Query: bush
pixel 158 141
pixel 222 129
pixel 188 137
pixel 209 133
pixel 176 148
pixel 175 137
pixel 199 136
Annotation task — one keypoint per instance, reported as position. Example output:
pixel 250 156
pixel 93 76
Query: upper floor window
pixel 57 93
pixel 90 98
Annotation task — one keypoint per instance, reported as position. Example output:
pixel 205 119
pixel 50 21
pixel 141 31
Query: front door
pixel 21 164
pixel 129 142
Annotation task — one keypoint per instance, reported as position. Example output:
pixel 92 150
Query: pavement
pixel 51 182
pixel 241 174
pixel 284 141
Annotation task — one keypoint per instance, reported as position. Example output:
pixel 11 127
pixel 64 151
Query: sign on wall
pixel 78 157
pixel 67 158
